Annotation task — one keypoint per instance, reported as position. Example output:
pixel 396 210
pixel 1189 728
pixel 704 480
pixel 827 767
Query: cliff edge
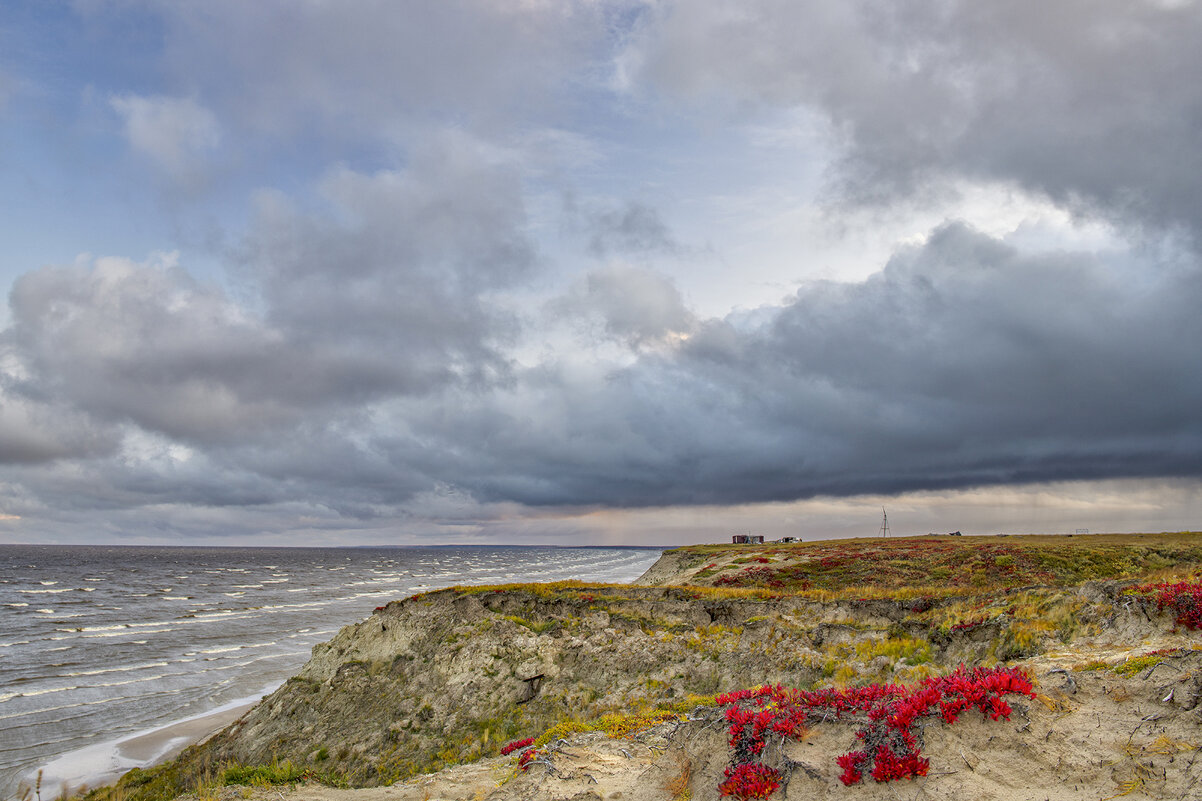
pixel 617 683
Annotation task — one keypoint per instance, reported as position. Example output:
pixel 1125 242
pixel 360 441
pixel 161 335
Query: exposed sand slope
pixel 1090 735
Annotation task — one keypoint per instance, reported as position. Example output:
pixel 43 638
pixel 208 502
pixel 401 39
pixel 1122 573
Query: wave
pixel 223 649
pixel 224 664
pixel 122 626
pixel 126 669
pixel 108 634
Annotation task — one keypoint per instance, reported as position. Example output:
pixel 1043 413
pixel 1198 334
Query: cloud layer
pixel 452 251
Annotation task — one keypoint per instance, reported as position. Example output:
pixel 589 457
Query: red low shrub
pixel 516 745
pixel 889 712
pixel 1183 598
pixel 525 758
pixel 750 780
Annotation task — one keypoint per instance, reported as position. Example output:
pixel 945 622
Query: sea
pixel 102 644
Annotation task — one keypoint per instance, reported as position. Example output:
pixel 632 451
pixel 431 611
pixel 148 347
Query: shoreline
pixel 104 763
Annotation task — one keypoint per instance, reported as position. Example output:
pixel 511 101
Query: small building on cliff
pixel 747 539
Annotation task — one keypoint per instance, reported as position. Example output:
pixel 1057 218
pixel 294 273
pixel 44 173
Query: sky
pixel 597 271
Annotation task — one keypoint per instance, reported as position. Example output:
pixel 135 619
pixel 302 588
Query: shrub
pixel 516 745
pixel 891 750
pixel 1184 599
pixel 750 780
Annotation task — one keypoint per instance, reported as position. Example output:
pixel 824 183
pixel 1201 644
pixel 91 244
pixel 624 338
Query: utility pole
pixel 884 532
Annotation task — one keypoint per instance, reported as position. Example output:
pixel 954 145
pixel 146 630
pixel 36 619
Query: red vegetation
pixel 968 625
pixel 516 745
pixel 750 780
pixel 525 758
pixel 752 577
pixel 1183 598
pixel 889 712
pixel 839 566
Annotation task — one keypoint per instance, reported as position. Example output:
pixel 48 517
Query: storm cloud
pixel 944 370
pixel 1087 102
pixel 395 318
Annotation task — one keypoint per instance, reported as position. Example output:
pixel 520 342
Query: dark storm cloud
pixel 35 432
pixel 1089 102
pixel 964 362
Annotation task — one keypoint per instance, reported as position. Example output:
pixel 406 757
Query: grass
pixel 1136 665
pixel 941 566
pixel 264 775
pixel 171 779
pixel 625 724
pixel 538 627
pixel 601 594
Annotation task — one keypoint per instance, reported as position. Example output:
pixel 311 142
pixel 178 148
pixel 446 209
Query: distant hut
pixel 747 539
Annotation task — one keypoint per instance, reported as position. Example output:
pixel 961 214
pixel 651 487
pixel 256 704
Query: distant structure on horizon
pixel 884 532
pixel 747 539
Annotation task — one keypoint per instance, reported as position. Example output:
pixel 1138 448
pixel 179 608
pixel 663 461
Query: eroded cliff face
pixel 674 567
pixel 452 675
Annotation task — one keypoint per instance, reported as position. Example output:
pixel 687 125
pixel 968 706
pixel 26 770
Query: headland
pixel 943 667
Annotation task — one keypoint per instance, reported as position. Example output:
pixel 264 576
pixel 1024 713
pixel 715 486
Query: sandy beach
pixel 105 762
pixel 161 744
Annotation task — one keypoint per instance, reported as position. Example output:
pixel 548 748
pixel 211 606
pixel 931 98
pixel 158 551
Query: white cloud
pixel 177 134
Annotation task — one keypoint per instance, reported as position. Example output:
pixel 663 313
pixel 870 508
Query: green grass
pixel 1135 665
pixel 538 627
pixel 264 775
pixel 942 566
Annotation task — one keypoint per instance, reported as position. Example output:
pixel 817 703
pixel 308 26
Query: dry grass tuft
pixel 679 786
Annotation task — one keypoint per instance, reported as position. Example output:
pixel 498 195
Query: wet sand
pixel 163 744
pixel 104 763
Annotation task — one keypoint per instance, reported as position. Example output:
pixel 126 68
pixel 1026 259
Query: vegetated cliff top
pixel 442 680
pixel 939 566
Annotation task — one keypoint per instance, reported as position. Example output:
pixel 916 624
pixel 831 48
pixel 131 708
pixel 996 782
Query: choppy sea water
pixel 99 643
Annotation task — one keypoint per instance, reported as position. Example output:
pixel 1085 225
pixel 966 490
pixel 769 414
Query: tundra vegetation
pixel 773 640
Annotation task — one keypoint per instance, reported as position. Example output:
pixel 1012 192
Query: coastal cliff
pixel 428 689
pixel 452 675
